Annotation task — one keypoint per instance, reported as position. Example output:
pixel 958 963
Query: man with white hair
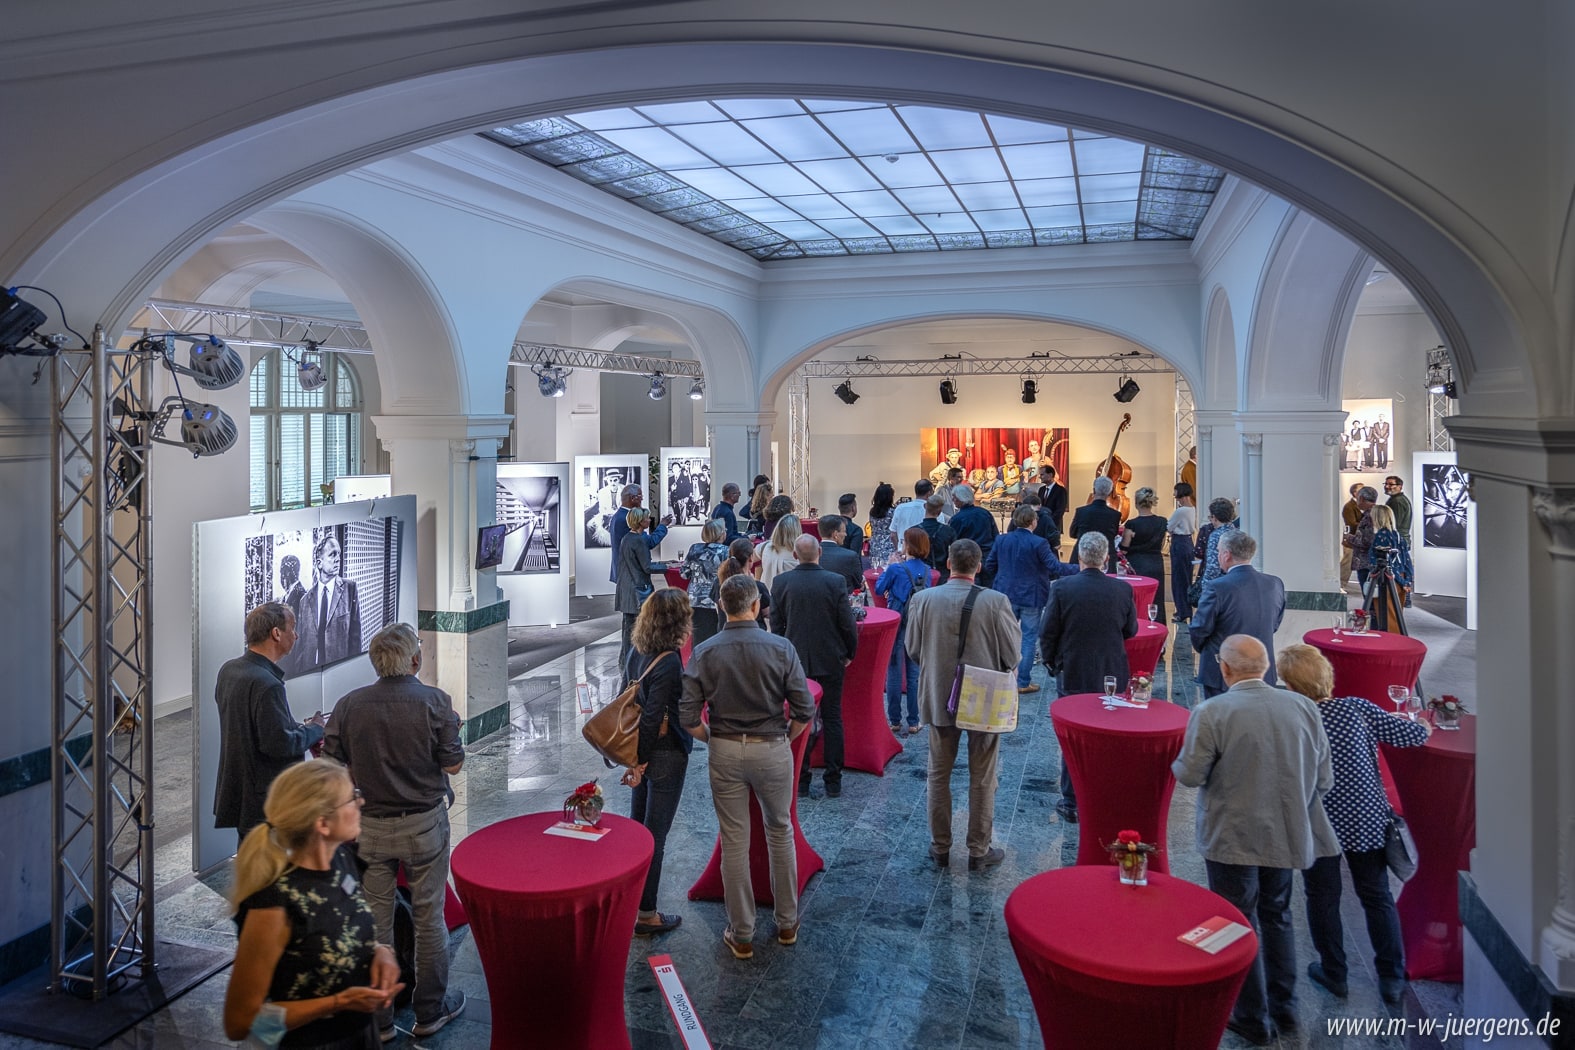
pixel 630 497
pixel 1261 761
pixel 1241 600
pixel 1099 516
pixel 400 739
pixel 972 522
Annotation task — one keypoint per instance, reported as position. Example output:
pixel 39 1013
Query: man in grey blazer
pixel 994 641
pixel 1241 600
pixel 1261 761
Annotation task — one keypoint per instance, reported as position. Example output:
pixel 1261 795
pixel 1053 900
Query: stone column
pixel 737 452
pixel 1288 501
pixel 450 464
pixel 1252 510
pixel 1218 472
pixel 1555 511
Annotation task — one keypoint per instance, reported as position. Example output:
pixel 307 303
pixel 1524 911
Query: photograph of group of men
pixel 1368 441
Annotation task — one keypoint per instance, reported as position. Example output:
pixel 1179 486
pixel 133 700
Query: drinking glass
pixel 1399 695
pixel 1413 706
pixel 1153 614
pixel 1339 624
pixel 1110 685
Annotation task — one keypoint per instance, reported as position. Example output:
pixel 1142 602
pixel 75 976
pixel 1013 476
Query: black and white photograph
pixel 531 510
pixel 688 488
pixel 1367 442
pixel 601 486
pixel 342 581
pixel 1446 502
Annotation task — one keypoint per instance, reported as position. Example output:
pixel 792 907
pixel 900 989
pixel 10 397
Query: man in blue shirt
pixel 724 511
pixel 974 523
pixel 632 496
pixel 1024 566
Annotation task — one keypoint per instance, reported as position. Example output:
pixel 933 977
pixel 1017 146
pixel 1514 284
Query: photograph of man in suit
pixel 1241 600
pixel 290 580
pixel 1378 444
pixel 330 617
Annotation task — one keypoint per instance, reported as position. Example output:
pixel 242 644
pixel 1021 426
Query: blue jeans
pixel 654 803
pixel 1264 896
pixel 1028 620
pixel 901 661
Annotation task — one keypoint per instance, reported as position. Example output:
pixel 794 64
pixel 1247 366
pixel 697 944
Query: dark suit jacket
pixel 1243 601
pixel 724 513
pixel 1097 517
pixel 809 607
pixel 853 540
pixel 341 630
pixel 1054 499
pixel 258 738
pixel 844 562
pixel 1082 634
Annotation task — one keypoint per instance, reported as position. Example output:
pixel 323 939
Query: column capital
pixel 1536 452
pixel 1331 440
pixel 1254 443
pixel 1555 509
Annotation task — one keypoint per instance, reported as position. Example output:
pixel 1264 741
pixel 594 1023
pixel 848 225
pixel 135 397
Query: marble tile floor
pixel 893 953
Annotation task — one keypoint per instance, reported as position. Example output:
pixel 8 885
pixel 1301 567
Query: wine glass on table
pixel 1153 614
pixel 1339 624
pixel 1399 695
pixel 1110 685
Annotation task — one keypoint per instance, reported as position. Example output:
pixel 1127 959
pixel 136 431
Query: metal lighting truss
pixel 1439 407
pixel 1049 364
pixel 101 896
pixel 240 326
pixel 527 354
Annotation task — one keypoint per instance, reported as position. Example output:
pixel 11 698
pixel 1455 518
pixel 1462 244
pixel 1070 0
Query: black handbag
pixel 1399 848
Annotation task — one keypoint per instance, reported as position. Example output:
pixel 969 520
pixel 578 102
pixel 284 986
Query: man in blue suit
pixel 1241 600
pixel 1023 567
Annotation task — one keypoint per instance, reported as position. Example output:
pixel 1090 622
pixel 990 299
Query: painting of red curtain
pixel 1000 461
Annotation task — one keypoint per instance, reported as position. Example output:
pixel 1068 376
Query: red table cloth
pixel 868 741
pixel 1120 765
pixel 553 918
pixel 1143 648
pixel 675 578
pixel 708 887
pixel 1104 966
pixel 1366 665
pixel 1437 783
pixel 879 600
pixel 453 910
pixel 810 526
pixel 1143 590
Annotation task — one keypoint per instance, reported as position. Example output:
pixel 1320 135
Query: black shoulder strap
pixel 967 617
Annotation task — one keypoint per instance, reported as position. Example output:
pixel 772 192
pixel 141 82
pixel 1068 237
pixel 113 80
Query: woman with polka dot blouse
pixel 1359 811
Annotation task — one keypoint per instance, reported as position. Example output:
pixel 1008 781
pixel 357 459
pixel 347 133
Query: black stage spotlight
pixel 845 392
pixel 1030 391
pixel 697 390
pixel 1129 390
pixel 658 387
pixel 948 391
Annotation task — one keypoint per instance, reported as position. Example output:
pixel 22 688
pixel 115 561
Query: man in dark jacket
pixel 724 511
pixel 1241 600
pixel 1099 517
pixel 1024 566
pixel 848 509
pixel 940 533
pixel 1086 624
pixel 974 523
pixel 1052 494
pixel 258 736
pixel 835 556
pixel 809 607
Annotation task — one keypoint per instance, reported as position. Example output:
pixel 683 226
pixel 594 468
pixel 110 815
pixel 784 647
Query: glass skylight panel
pixel 870 131
pixel 658 147
pixel 1010 131
pixel 781 180
pixel 1101 156
pixel 796 138
pixel 681 112
pixel 944 128
pixel 725 143
pixel 693 162
pixel 745 108
pixel 1045 160
pixel 969 165
pixel 840 176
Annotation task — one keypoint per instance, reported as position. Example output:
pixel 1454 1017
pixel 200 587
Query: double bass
pixel 1119 471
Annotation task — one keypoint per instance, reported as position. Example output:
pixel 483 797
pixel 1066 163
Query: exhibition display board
pixel 533 572
pixel 1443 532
pixel 686 497
pixel 347 569
pixel 597 481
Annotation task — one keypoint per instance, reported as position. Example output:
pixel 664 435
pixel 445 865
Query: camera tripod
pixel 1382 598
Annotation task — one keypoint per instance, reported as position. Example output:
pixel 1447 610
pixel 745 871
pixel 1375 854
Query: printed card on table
pixel 1214 935
pixel 584 832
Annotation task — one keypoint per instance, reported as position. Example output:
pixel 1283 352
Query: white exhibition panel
pixel 538 597
pixel 219 556
pixel 594 488
pixel 684 462
pixel 354 488
pixel 1441 565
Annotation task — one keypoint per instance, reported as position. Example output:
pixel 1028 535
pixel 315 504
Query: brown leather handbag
pixel 614 731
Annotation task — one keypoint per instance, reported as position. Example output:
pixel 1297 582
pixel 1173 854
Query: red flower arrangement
pixel 584 793
pixel 1130 854
pixel 585 805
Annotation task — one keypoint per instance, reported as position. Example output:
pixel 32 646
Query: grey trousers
pixel 420 843
pixel 984 752
pixel 766 767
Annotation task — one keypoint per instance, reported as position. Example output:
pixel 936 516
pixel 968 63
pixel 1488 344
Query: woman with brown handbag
pixel 658 780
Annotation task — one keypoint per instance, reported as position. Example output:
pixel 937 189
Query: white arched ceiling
pixel 106 240
pixel 1311 283
pixel 420 363
pixel 229 268
pixel 1220 355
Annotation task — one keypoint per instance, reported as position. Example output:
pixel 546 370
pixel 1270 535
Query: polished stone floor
pixel 893 953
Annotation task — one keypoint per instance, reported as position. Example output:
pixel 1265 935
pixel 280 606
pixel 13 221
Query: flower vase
pixel 1133 868
pixel 587 812
pixel 1446 719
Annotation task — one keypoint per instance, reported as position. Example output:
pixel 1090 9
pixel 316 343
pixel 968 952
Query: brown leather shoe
pixel 787 936
pixel 740 949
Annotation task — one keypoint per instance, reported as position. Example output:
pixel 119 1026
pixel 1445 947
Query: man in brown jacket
pixel 1351 514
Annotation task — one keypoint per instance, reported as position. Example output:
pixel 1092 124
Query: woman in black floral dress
pixel 307 960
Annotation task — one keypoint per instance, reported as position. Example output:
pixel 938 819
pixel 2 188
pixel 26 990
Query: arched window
pixel 302 439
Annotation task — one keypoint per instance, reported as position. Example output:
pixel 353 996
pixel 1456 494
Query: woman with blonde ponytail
pixel 307 960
